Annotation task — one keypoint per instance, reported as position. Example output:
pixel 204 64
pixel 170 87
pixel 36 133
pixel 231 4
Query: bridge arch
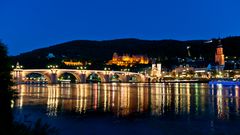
pixel 96 77
pixel 135 78
pixel 154 80
pixel 46 76
pixel 93 77
pixel 77 76
pixel 118 77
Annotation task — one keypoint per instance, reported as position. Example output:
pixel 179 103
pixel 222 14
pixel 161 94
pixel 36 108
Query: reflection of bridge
pixel 52 75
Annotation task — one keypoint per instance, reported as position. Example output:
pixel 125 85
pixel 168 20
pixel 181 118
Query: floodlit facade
pixel 219 56
pixel 71 63
pixel 127 60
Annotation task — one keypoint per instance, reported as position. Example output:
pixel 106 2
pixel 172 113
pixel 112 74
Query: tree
pixel 6 94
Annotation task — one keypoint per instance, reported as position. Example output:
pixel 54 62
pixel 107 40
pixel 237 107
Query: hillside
pixel 100 51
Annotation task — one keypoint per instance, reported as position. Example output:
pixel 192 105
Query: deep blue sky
pixel 29 24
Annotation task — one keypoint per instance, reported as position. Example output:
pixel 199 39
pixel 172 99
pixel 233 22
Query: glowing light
pixel 71 63
pixel 127 60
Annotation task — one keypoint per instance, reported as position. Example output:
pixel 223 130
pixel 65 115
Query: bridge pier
pixel 54 78
pixel 83 78
pixel 127 78
pixel 107 78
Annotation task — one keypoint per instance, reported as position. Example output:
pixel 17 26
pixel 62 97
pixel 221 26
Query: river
pixel 128 108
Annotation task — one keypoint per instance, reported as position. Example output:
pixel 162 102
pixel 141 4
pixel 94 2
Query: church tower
pixel 219 56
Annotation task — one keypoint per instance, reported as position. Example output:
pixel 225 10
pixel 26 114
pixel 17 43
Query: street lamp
pixel 107 69
pixel 18 66
pixel 53 68
pixel 82 67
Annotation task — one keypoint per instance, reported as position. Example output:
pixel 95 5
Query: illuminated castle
pixel 127 60
pixel 219 56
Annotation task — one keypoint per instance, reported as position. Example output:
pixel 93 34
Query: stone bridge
pixel 52 75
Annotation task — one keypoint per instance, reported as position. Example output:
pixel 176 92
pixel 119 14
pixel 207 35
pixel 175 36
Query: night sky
pixel 29 24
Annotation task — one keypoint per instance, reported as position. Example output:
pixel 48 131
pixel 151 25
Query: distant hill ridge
pixel 103 50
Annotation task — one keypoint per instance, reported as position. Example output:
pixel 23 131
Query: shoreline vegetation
pixel 7 96
pixel 6 93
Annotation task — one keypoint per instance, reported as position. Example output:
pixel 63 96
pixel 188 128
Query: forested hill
pixel 103 50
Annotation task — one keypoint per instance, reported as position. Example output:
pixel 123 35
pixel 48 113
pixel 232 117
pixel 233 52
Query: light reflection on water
pixel 176 99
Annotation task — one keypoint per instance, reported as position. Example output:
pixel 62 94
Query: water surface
pixel 142 108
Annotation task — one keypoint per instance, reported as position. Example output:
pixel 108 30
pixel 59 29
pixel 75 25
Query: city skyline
pixel 33 25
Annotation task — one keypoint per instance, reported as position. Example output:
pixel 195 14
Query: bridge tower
pixel 18 73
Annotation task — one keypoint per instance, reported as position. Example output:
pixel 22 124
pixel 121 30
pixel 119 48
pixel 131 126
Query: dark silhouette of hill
pixel 100 51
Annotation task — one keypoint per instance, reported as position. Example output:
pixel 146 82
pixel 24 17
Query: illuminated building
pixel 50 56
pixel 127 60
pixel 183 71
pixel 219 56
pixel 156 70
pixel 71 63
